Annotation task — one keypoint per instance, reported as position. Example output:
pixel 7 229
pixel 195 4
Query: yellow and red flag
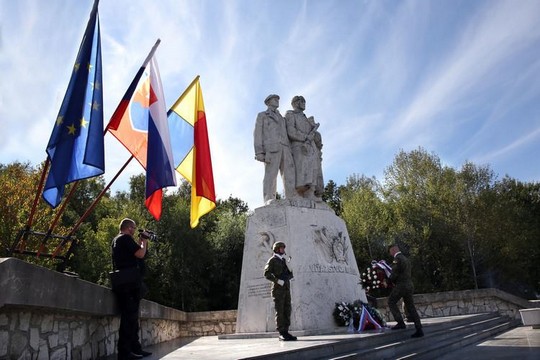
pixel 191 149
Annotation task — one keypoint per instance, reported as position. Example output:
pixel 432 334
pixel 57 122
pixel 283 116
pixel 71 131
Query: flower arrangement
pixel 342 314
pixel 358 316
pixel 376 276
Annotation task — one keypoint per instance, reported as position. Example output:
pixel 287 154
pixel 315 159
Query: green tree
pixel 19 185
pixel 512 251
pixel 474 183
pixel 228 242
pixel 332 196
pixel 365 215
pixel 416 190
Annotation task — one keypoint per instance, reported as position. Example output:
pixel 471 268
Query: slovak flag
pixel 160 167
pixel 140 124
pixel 129 123
pixel 367 322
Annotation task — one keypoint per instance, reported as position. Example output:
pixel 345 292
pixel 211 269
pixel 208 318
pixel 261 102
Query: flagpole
pixel 98 198
pixel 121 106
pixel 24 233
pixel 20 245
pixel 57 218
pixel 38 192
pixel 91 207
pixel 94 7
pixel 152 51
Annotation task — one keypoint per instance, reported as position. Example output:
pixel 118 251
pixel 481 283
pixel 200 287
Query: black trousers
pixel 128 334
pixel 404 291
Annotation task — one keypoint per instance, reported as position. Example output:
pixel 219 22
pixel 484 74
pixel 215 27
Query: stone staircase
pixel 442 336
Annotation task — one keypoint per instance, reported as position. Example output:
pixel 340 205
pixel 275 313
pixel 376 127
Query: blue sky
pixel 459 78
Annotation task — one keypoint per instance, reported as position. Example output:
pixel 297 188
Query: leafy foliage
pixel 461 229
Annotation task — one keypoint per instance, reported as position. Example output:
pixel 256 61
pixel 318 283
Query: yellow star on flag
pixel 71 129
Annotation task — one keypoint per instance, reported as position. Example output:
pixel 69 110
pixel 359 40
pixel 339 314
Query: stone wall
pixel 48 315
pixel 462 303
pixel 33 333
pixel 27 333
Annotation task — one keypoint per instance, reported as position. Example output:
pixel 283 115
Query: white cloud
pixel 373 74
pixel 489 39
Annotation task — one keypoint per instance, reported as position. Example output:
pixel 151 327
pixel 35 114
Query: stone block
pixel 4 341
pixel 26 355
pixel 53 340
pixel 110 344
pixel 63 333
pixel 19 341
pixel 530 317
pixel 47 322
pixel 43 352
pixel 34 338
pixel 86 352
pixel 322 261
pixel 24 321
pixel 4 320
pixel 59 354
pixel 35 286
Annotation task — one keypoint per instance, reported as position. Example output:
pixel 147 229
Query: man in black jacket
pixel 403 288
pixel 278 273
pixel 127 253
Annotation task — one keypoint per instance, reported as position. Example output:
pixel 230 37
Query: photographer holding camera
pixel 128 265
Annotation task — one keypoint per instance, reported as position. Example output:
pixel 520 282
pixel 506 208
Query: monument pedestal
pixel 321 259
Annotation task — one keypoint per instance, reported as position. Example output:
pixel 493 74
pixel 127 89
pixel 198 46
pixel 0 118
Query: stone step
pixel 441 336
pixel 400 346
pixel 459 342
pixel 438 339
pixel 438 343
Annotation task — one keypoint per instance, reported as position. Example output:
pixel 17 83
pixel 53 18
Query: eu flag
pixel 76 149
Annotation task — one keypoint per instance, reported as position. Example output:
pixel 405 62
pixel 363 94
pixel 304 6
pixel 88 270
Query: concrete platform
pixel 520 343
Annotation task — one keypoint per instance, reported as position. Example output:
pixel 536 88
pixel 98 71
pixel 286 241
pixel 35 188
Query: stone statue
pixel 319 188
pixel 306 145
pixel 272 147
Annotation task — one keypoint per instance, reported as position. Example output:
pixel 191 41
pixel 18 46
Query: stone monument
pixel 318 246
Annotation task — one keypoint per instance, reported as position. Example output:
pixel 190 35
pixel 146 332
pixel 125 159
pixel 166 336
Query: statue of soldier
pixel 306 151
pixel 271 145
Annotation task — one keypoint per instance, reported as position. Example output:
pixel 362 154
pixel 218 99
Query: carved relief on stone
pixel 331 245
pixel 266 240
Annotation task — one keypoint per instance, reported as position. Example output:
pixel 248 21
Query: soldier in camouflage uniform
pixel 278 273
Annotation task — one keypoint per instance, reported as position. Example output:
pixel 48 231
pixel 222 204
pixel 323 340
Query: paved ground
pixel 520 343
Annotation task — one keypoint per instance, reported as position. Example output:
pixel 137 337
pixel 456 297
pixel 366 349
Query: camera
pixel 147 234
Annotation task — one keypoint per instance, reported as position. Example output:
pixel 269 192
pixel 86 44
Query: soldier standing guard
pixel 278 273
